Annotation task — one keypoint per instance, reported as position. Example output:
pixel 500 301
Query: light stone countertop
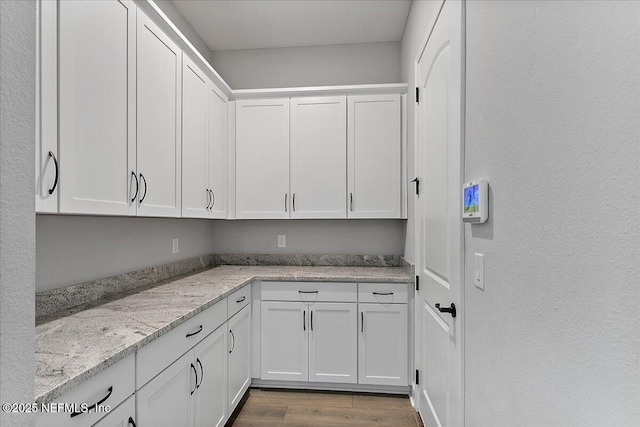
pixel 73 348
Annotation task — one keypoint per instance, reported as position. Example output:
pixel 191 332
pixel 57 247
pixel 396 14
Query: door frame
pixel 415 391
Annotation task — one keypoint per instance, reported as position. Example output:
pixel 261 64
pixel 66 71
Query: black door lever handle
pixel 451 310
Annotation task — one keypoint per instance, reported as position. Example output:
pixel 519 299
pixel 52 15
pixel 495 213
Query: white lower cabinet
pixel 383 354
pixel 239 370
pixel 211 394
pixel 303 341
pixel 166 400
pixel 122 416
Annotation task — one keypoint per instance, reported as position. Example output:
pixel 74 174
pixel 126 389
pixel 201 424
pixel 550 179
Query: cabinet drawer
pixel 109 387
pixel 383 293
pixel 309 291
pixel 237 300
pixel 157 355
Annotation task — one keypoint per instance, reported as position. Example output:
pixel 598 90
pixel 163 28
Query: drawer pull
pixel 311 320
pixel 131 422
pixel 196 374
pixel 304 320
pixel 99 402
pixel 190 334
pixel 383 293
pixel 201 372
pixel 241 299
pixel 308 292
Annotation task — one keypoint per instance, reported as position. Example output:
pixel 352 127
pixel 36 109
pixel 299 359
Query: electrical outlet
pixel 282 241
pixel 176 248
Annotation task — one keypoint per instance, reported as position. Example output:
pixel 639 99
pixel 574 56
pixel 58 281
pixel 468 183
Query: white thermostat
pixel 475 201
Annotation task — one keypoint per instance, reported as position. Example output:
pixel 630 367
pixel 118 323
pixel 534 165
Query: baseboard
pixel 300 385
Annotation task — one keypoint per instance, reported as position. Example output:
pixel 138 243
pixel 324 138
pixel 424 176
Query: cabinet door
pixel 159 88
pixel 166 400
pixel 262 159
pixel 195 197
pixel 211 395
pixel 333 343
pixel 383 356
pixel 217 153
pixel 122 416
pixel 47 108
pixel 284 341
pixel 239 356
pixel 374 156
pixel 97 66
pixel 319 157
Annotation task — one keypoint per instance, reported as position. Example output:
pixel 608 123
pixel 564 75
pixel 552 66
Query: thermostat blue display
pixel 475 201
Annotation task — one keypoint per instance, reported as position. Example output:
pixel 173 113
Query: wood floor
pixel 271 408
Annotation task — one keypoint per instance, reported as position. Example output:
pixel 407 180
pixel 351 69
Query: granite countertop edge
pixel 71 383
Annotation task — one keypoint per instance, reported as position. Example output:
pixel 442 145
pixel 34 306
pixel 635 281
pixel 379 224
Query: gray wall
pixel 344 237
pixel 73 249
pixel 309 66
pixel 17 222
pixel 553 123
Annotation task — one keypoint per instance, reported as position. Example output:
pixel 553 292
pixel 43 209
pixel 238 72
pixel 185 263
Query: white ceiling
pixel 255 24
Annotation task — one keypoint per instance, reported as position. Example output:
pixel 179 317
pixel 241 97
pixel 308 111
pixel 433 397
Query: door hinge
pixel 417 377
pixel 417 283
pixel 417 181
pixel 417 95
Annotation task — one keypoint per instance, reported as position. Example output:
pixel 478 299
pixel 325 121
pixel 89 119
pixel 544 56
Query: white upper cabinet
pixel 318 157
pixel 217 153
pixel 196 199
pixel 47 166
pixel 97 107
pixel 262 159
pixel 374 156
pixel 159 79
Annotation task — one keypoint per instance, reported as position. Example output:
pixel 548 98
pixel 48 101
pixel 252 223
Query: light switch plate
pixel 176 248
pixel 282 241
pixel 478 275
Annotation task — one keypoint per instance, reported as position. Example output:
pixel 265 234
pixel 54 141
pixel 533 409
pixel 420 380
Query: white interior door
pixel 319 157
pixel 97 99
pixel 440 239
pixel 158 121
pixel 333 342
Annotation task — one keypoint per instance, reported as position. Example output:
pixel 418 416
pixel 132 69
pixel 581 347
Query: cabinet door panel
pixel 195 198
pixel 211 396
pixel 383 356
pixel 262 159
pixel 319 157
pixel 374 156
pixel 97 106
pixel 166 400
pixel 119 417
pixel 333 343
pixel 284 341
pixel 239 356
pixel 218 153
pixel 158 121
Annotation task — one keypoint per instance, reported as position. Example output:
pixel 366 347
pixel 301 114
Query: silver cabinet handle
pixel 351 202
pixel 286 195
pixel 208 198
pixel 294 202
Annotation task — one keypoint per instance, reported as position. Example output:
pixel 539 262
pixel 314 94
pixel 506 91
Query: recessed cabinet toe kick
pixel 337 336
